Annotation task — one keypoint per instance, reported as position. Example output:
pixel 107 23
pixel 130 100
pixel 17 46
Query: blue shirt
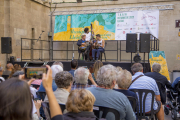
pixel 83 41
pixel 175 82
pixel 72 72
pixel 113 99
pixel 127 92
pixel 146 82
pixel 42 89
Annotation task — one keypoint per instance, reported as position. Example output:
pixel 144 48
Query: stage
pixel 67 64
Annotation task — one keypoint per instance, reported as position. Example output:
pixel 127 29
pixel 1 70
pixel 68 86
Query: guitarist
pixel 82 48
pixel 99 47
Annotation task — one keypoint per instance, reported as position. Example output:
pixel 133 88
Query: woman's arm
pixel 47 83
pixel 103 42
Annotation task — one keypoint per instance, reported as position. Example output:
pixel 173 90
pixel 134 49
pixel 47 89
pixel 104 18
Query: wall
pixel 168 34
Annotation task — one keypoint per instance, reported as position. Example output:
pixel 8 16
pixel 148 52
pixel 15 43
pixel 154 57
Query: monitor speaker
pixel 6 45
pixel 131 42
pixel 144 43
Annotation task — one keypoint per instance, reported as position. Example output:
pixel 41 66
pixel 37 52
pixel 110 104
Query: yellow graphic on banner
pixel 159 57
pixel 74 34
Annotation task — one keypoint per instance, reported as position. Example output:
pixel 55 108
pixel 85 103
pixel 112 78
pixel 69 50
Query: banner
pixel 159 57
pixel 71 27
pixel 136 22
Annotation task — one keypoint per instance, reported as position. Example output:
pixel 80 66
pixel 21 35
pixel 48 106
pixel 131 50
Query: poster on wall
pixel 71 27
pixel 159 57
pixel 136 22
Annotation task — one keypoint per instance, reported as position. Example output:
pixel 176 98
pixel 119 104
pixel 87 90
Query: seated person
pixel 175 83
pixel 80 105
pixel 81 76
pixel 140 81
pixel 55 69
pixel 124 79
pixel 156 68
pixel 74 64
pixel 1 72
pixel 82 48
pixel 63 81
pixel 9 68
pixel 97 65
pixel 58 63
pixel 105 96
pixel 100 44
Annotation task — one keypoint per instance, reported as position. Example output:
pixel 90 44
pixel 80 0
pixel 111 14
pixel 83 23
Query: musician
pixel 88 34
pixel 99 47
pixel 82 48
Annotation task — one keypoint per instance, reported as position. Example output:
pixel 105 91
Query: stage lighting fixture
pixel 137 58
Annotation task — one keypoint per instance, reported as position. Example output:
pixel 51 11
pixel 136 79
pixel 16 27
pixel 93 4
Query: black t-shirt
pixel 58 117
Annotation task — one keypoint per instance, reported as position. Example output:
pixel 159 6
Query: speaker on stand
pixel 6 46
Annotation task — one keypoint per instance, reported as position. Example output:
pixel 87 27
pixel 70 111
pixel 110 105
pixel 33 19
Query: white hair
pixel 106 75
pixel 56 69
pixel 124 79
pixel 156 67
pixel 81 75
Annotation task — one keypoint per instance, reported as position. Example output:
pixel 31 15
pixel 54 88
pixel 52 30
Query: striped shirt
pixel 81 86
pixel 145 82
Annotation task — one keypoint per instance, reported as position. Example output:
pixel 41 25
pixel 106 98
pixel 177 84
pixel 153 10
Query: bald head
pixel 137 67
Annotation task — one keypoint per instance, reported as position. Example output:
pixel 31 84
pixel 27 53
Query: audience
pixel 140 81
pixel 124 79
pixel 74 64
pixel 81 76
pixel 55 69
pixel 156 68
pixel 80 105
pixel 119 68
pixel 1 72
pixel 105 96
pixel 64 81
pixel 175 83
pixel 58 63
pixel 97 65
pixel 9 68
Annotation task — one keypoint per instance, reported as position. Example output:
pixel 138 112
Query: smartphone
pixel 34 72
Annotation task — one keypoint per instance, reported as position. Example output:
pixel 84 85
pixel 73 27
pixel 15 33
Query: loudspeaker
pixel 6 45
pixel 144 43
pixel 131 42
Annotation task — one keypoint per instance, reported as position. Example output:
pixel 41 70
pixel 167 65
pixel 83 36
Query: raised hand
pixel 47 79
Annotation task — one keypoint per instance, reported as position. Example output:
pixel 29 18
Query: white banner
pixel 136 22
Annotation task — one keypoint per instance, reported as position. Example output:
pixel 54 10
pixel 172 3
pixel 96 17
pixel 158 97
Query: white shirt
pixel 33 91
pixel 88 36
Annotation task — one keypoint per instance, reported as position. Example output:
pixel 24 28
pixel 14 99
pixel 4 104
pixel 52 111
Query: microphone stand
pixel 40 50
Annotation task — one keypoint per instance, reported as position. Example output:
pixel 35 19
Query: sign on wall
pixel 111 26
pixel 136 22
pixel 159 57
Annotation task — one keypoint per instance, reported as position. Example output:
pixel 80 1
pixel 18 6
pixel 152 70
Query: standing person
pixel 100 44
pixel 156 68
pixel 74 64
pixel 83 48
pixel 97 65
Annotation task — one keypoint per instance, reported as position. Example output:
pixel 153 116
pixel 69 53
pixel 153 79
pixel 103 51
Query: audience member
pixel 55 69
pixel 156 68
pixel 105 96
pixel 140 81
pixel 175 83
pixel 1 72
pixel 64 81
pixel 119 68
pixel 74 64
pixel 80 105
pixel 16 103
pixel 124 79
pixel 38 106
pixel 81 76
pixel 58 63
pixel 9 68
pixel 97 65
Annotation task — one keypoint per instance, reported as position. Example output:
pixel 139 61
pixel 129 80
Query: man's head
pixel 1 71
pixel 156 67
pixel 56 69
pixel 63 80
pixel 58 63
pixel 81 75
pixel 98 36
pixel 74 64
pixel 83 36
pixel 86 30
pixel 124 79
pixel 9 66
pixel 107 76
pixel 136 67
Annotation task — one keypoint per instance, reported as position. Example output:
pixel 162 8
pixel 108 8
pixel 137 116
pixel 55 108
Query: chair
pixel 41 95
pixel 103 52
pixel 98 109
pixel 141 113
pixel 133 102
pixel 46 109
pixel 82 55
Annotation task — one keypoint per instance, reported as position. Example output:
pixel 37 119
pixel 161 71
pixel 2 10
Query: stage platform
pixel 124 65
